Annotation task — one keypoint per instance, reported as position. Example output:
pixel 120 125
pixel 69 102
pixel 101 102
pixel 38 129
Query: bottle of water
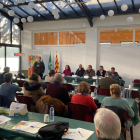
pixel 132 83
pixel 51 114
pixel 17 109
pixel 95 93
pixel 122 93
pixel 75 79
pixel 75 90
pixel 96 81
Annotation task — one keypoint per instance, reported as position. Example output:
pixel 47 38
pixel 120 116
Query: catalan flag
pixel 56 64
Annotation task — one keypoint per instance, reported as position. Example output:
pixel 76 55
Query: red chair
pixel 79 111
pixel 92 88
pixel 20 83
pixel 69 87
pixel 28 101
pixel 136 81
pixel 105 92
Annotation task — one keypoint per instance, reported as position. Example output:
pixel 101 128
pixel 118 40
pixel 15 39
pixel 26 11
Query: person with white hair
pixel 56 90
pixel 107 125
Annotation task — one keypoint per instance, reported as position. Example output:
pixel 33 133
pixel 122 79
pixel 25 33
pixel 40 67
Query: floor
pixel 136 133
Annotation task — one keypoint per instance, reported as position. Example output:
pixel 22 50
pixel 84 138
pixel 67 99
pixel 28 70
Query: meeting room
pixel 69 70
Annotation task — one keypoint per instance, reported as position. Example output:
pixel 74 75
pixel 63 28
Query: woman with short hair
pixel 67 70
pixel 83 98
pixel 35 71
pixel 50 77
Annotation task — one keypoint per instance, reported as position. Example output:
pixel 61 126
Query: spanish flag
pixel 56 64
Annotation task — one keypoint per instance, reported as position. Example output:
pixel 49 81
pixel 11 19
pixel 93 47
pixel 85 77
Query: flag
pixel 56 64
pixel 50 63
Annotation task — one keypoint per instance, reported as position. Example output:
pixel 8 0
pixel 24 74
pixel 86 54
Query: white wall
pixel 125 59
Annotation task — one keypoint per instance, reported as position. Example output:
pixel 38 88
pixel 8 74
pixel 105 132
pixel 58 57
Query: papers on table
pixel 73 84
pixel 86 77
pixel 74 75
pixel 4 119
pixel 30 127
pixel 77 134
pixel 132 89
pixel 94 77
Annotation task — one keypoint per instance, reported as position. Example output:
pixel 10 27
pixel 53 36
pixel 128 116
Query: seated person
pixel 116 100
pixel 107 81
pixel 7 89
pixel 35 71
pixel 67 70
pixel 6 70
pixel 89 72
pixel 49 79
pixel 80 71
pixel 33 88
pixel 114 73
pixel 101 72
pixel 107 125
pixel 56 90
pixel 82 98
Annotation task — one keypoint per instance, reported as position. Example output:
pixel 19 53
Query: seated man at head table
pixel 101 72
pixel 7 89
pixel 80 71
pixel 56 90
pixel 114 73
pixel 6 70
pixel 107 125
pixel 105 83
pixel 89 72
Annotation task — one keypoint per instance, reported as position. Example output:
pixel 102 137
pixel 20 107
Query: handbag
pixel 22 110
pixel 54 130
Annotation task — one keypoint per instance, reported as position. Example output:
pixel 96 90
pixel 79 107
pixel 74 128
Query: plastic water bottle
pixel 75 79
pixel 95 93
pixel 51 114
pixel 75 90
pixel 132 83
pixel 17 109
pixel 122 93
pixel 96 81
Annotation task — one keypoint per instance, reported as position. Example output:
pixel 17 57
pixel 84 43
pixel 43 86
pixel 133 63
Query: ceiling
pixel 90 9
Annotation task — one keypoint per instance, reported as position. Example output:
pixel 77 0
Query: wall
pixel 125 59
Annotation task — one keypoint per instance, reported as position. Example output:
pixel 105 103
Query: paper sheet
pixel 4 119
pixel 70 134
pixel 73 84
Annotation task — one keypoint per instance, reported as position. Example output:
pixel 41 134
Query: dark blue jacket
pixel 115 73
pixel 99 74
pixel 80 73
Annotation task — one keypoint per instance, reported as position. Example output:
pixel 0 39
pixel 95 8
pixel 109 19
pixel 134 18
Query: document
pixel 4 119
pixel 70 134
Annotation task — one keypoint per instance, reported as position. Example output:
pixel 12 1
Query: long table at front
pixel 69 79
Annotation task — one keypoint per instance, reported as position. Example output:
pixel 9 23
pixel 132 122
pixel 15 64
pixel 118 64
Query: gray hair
pixel 109 74
pixel 107 123
pixel 58 77
pixel 6 69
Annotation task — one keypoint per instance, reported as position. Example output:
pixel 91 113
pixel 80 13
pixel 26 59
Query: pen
pixel 80 133
pixel 4 124
pixel 35 127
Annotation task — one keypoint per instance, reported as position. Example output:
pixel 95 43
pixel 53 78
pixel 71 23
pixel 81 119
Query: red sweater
pixel 67 72
pixel 85 100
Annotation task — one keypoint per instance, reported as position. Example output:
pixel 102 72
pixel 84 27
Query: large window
pixel 2 58
pixel 116 36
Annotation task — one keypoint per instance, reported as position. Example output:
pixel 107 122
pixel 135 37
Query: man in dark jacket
pixel 40 66
pixel 6 70
pixel 56 90
pixel 89 72
pixel 80 71
pixel 105 83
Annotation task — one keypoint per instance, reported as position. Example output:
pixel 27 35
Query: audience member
pixel 56 90
pixel 80 71
pixel 114 73
pixel 67 70
pixel 107 81
pixel 116 100
pixel 107 125
pixel 7 89
pixel 82 98
pixel 40 66
pixel 6 70
pixel 35 71
pixel 50 77
pixel 33 88
pixel 89 72
pixel 101 72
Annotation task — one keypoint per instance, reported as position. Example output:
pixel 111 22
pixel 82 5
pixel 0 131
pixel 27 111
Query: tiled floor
pixel 136 133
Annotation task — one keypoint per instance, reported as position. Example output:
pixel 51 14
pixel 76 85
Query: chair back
pixel 69 87
pixel 4 102
pixel 135 94
pixel 20 83
pixel 136 81
pixel 79 111
pixel 137 85
pixel 28 101
pixel 1 100
pixel 105 92
pixel 92 88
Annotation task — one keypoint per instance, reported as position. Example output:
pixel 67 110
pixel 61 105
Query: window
pixel 15 34
pixel 72 37
pixel 116 36
pixel 2 58
pixel 48 38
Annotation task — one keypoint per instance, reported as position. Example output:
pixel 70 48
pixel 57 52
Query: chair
pixel 69 87
pixel 136 81
pixel 137 85
pixel 28 101
pixel 1 100
pixel 92 88
pixel 4 102
pixel 79 111
pixel 105 92
pixel 20 83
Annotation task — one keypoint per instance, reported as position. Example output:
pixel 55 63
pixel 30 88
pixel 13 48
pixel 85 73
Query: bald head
pixel 80 66
pixel 58 77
